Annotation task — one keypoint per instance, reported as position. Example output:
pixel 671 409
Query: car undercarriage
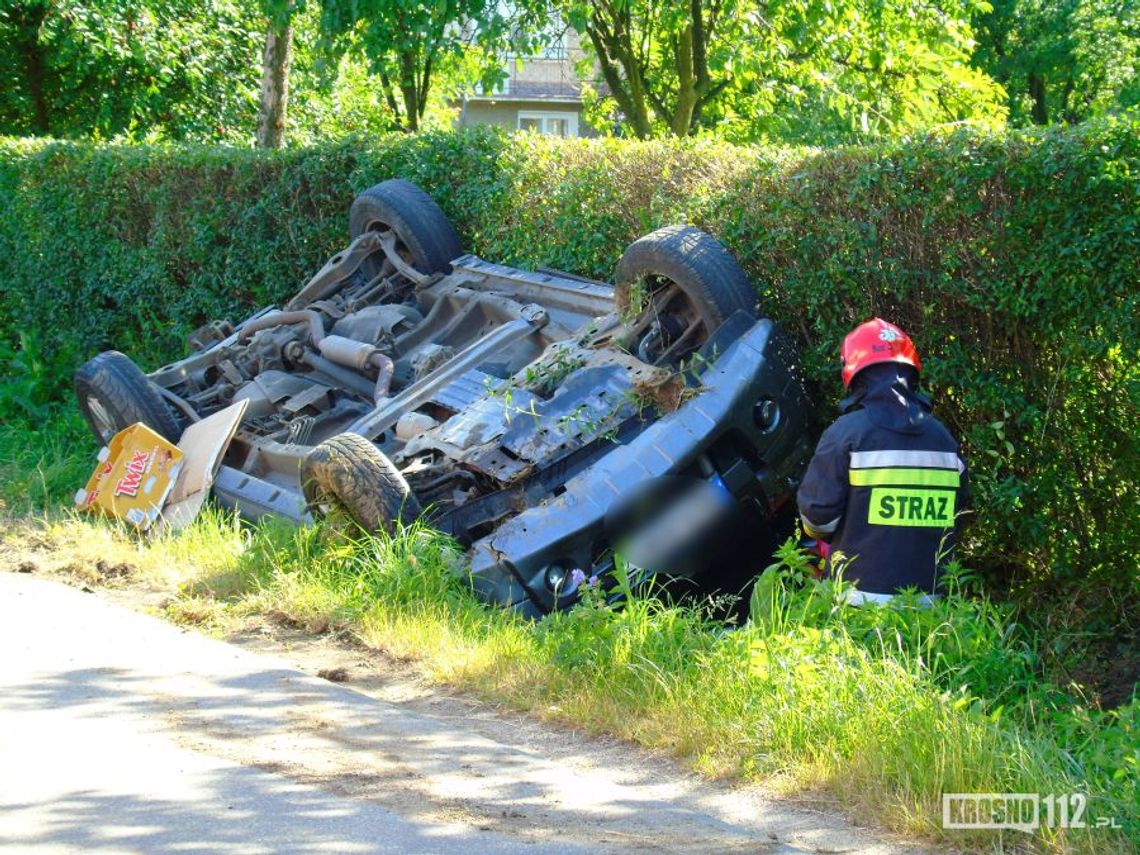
pixel 545 421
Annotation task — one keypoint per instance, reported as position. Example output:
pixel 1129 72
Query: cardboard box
pixel 142 478
pixel 136 472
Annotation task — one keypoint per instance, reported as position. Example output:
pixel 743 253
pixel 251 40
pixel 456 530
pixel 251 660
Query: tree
pixel 661 61
pixel 1061 60
pixel 25 70
pixel 409 42
pixel 235 71
pixel 106 68
pixel 275 62
pixel 676 66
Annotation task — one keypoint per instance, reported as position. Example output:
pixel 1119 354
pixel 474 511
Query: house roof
pixel 558 91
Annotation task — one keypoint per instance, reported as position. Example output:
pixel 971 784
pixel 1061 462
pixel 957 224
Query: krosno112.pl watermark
pixel 1020 811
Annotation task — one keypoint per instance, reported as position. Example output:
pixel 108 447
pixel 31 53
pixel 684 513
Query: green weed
pixel 43 459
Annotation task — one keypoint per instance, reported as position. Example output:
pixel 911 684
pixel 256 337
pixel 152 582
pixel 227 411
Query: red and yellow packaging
pixel 136 473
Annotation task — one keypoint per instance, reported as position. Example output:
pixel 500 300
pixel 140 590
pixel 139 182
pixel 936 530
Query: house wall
pixel 539 85
pixel 505 113
pixel 550 74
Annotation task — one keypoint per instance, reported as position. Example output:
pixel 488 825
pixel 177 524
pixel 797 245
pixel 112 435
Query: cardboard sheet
pixel 203 443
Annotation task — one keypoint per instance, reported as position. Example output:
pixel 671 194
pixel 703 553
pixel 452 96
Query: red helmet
pixel 876 341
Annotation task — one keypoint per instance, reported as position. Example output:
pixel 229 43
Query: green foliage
pixel 804 71
pixel 796 70
pixel 43 461
pixel 45 446
pixel 1011 258
pixel 971 648
pixel 107 68
pixel 333 97
pixel 411 44
pixel 164 70
pixel 964 643
pixel 1061 60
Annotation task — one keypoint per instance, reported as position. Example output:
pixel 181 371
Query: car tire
pixel 113 394
pixel 425 232
pixel 697 262
pixel 352 473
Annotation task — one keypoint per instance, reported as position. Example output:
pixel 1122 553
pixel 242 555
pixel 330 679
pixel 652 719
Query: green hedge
pixel 1014 260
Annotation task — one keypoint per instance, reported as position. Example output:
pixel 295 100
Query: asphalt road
pixel 122 733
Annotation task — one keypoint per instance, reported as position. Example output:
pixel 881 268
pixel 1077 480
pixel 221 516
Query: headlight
pixel 766 414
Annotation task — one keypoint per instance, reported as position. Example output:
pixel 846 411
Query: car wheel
pixel 113 394
pixel 349 472
pixel 674 288
pixel 424 235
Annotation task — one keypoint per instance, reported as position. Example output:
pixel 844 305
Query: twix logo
pixel 128 485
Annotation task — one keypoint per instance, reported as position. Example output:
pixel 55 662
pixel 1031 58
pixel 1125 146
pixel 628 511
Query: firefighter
pixel 886 484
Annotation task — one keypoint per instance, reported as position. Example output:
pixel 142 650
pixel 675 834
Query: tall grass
pixel 44 459
pixel 883 709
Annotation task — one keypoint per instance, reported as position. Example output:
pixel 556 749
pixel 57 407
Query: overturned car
pixel 542 419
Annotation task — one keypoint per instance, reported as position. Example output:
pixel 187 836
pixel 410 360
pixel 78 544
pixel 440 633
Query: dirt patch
pixel 284 620
pixel 1112 677
pixel 665 395
pixel 334 675
pixel 26 550
pixel 114 572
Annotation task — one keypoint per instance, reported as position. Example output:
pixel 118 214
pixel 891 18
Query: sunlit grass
pixel 806 696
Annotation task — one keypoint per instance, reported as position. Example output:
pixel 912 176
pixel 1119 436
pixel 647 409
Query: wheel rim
pixel 101 417
pixel 667 325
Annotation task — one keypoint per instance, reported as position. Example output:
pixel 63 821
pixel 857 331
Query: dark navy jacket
pixel 886 484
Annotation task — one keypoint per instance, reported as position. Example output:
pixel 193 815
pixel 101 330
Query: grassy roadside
pixel 816 707
pixel 882 710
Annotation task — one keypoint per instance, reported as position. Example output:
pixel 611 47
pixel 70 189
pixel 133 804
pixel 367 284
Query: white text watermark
pixel 1019 811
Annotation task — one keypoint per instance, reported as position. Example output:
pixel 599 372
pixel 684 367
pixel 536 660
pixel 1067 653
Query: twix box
pixel 136 473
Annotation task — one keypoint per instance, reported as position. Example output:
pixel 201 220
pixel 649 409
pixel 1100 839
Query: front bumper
pixel 510 565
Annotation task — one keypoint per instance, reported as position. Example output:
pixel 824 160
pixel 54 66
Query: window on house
pixel 555 124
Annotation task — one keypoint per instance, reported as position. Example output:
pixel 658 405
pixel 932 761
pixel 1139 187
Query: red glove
pixel 822 550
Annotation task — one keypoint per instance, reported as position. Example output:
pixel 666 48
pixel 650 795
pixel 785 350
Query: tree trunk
pixel 622 91
pixel 410 91
pixel 612 33
pixel 1037 93
pixel 41 122
pixel 641 124
pixel 686 85
pixel 623 48
pixel 390 96
pixel 29 18
pixel 425 83
pixel 275 64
